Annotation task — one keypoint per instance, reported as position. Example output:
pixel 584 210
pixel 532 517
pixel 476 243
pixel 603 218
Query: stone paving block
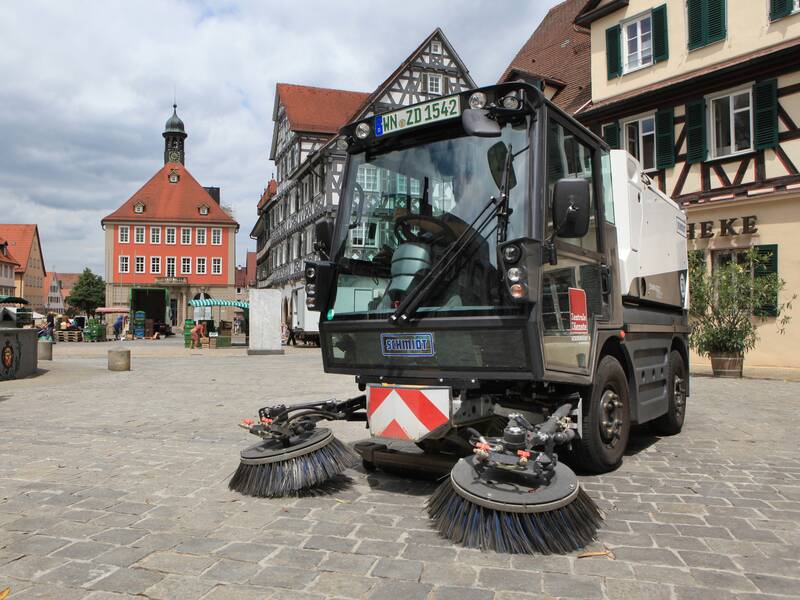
pixel 659 574
pixel 407 590
pixel 379 548
pixel 240 592
pixel 122 556
pixel 379 532
pixel 389 568
pixel 284 577
pixel 432 553
pixel 572 586
pixel 179 586
pixel 771 584
pixel 327 542
pixel 75 574
pixel 35 544
pixel 30 567
pixel 200 545
pixel 231 571
pixel 449 574
pixel 296 557
pixel 460 593
pixel 347 563
pixel 510 579
pixel 345 586
pixel 625 589
pixel 174 562
pixel 47 592
pixel 246 551
pixel 701 593
pixel 603 567
pixel 659 556
pixel 129 581
pixel 82 550
pixel 708 560
pixel 160 541
pixel 544 563
pixel 723 580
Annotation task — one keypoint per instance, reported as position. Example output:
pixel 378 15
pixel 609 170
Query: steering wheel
pixel 433 229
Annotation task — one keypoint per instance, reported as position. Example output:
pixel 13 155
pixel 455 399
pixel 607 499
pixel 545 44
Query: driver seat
pixel 408 260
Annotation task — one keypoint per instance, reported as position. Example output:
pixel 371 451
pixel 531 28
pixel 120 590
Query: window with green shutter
pixel 611 134
pixel 781 8
pixel 696 147
pixel 765 121
pixel 613 52
pixel 769 255
pixel 707 22
pixel 665 138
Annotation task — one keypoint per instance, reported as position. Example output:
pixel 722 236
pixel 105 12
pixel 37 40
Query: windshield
pixel 405 207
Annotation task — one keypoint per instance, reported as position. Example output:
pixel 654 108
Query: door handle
pixel 605 279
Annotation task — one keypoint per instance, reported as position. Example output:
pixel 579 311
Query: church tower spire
pixel 174 135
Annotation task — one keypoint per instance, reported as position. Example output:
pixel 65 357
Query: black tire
pixel 601 447
pixel 671 422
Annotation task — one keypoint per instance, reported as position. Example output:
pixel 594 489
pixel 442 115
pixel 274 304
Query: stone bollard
pixel 45 350
pixel 119 360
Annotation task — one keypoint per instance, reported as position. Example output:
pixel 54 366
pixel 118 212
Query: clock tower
pixel 174 136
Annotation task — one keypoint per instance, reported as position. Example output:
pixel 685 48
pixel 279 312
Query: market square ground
pixel 114 485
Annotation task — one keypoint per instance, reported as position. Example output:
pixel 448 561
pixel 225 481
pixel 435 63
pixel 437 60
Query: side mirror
pixel 323 236
pixel 571 207
pixel 477 122
pixel 497 155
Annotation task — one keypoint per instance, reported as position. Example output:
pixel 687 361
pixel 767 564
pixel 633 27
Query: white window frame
pixel 216 266
pixel 438 79
pixel 201 265
pixel 127 261
pixel 204 210
pixel 137 260
pixel 184 236
pixel 174 232
pixel 174 260
pixel 216 233
pixel 155 235
pixel 197 236
pixel 626 68
pixel 712 137
pixel 126 229
pixel 436 47
pixel 624 138
pixel 139 234
pixel 155 265
pixel 138 208
pixel 184 261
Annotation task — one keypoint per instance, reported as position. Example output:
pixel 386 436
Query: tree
pixel 88 293
pixel 726 304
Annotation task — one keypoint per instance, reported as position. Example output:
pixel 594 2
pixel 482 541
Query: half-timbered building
pixel 310 158
pixel 706 95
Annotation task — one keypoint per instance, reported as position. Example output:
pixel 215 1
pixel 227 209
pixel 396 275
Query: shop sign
pixel 723 227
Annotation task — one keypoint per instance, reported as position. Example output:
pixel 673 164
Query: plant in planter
pixel 726 305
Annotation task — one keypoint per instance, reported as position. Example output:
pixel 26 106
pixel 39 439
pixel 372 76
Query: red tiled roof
pixel 240 277
pixel 8 257
pixel 558 51
pixel 68 281
pixel 318 110
pixel 251 269
pixel 171 202
pixel 269 192
pixel 20 243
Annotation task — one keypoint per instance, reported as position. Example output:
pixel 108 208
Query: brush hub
pixel 518 491
pixel 272 450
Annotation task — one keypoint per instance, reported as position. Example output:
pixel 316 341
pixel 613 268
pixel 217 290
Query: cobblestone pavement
pixel 114 485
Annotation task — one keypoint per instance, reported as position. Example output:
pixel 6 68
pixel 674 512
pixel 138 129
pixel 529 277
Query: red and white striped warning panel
pixel 406 413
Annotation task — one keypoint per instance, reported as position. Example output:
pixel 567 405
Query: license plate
pixel 406 118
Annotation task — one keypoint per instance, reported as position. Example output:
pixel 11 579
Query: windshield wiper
pixel 413 299
pixel 362 201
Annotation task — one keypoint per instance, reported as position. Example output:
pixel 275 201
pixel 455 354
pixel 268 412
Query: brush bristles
pixel 558 531
pixel 295 475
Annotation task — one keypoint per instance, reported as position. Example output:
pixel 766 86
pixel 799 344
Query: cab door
pixel 573 295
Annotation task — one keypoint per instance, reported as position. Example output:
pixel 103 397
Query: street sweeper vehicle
pixel 509 294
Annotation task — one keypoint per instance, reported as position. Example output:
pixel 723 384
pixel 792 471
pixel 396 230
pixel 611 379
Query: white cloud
pixel 87 87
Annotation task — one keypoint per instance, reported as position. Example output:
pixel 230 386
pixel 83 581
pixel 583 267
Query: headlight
pixel 362 130
pixel 511 254
pixel 511 102
pixel 311 289
pixel 477 100
pixel 311 272
pixel 514 274
pixel 310 302
pixel 518 290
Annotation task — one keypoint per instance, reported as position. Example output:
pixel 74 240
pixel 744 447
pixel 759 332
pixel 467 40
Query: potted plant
pixel 727 303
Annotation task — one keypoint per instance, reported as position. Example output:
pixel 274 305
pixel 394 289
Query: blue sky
pixel 87 87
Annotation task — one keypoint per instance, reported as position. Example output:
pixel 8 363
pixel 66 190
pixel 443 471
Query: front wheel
pixel 606 421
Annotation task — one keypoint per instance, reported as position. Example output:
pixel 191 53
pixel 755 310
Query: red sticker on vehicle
pixel 578 314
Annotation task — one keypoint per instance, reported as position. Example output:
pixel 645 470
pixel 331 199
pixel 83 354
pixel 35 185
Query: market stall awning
pixel 12 300
pixel 216 302
pixel 108 310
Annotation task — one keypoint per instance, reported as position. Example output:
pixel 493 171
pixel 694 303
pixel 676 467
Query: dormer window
pixel 436 47
pixel 173 176
pixel 138 208
pixel 203 209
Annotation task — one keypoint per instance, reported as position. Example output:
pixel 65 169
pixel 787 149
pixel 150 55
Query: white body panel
pixel 302 318
pixel 651 229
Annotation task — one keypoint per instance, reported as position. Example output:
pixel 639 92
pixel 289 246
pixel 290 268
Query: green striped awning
pixel 216 302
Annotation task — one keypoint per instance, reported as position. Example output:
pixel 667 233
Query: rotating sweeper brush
pixel 509 497
pixel 295 456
